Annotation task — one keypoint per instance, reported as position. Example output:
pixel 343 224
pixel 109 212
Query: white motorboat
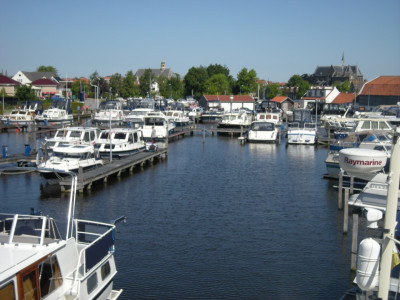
pixel 161 125
pixel 273 117
pixel 136 117
pixel 110 111
pixel 195 113
pixel 236 119
pixel 24 115
pixel 59 113
pixel 73 135
pixel 37 263
pixel 121 141
pixel 69 158
pixel 263 132
pixel 179 117
pixel 211 116
pixel 302 130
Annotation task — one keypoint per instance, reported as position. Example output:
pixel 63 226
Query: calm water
pixel 217 220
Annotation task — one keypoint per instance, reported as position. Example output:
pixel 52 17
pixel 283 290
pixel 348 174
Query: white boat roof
pixel 66 148
pixel 126 130
pixel 77 128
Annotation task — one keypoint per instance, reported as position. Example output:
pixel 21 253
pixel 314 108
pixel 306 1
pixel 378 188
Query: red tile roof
pixel 227 98
pixel 382 86
pixel 279 99
pixel 44 81
pixel 4 80
pixel 344 98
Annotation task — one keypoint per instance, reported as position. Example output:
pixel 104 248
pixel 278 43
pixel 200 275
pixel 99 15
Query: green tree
pixel 272 90
pixel 116 85
pixel 25 93
pixel 296 81
pixel 194 81
pixel 47 69
pixel 246 81
pixel 144 83
pixel 175 85
pixel 163 86
pixel 343 87
pixel 77 86
pixel 130 88
pixel 217 84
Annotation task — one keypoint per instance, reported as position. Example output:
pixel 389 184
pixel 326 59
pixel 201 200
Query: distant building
pixel 44 87
pixel 227 102
pixel 384 90
pixel 9 85
pixel 162 71
pixel 286 103
pixel 28 77
pixel 327 75
pixel 324 94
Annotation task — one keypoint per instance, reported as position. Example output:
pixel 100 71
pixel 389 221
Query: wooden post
pixel 351 185
pixel 346 211
pixel 80 178
pixel 204 135
pixel 340 190
pixel 354 243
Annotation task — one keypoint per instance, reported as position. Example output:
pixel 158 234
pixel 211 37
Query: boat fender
pixel 368 264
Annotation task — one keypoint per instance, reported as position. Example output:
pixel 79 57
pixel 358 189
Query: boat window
pixel 120 135
pixel 92 136
pixel 29 286
pixel 135 137
pixel 366 125
pixel 76 134
pixel 91 283
pixel 60 133
pixel 262 117
pixel 383 125
pixel 50 277
pixel 86 137
pixel 7 292
pixel 104 135
pixel 105 270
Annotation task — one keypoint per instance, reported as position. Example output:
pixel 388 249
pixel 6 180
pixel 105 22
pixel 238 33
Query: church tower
pixel 162 65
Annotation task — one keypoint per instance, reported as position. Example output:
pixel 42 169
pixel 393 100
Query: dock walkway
pixel 116 167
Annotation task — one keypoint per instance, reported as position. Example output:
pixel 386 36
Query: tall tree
pixel 343 87
pixel 272 90
pixel 296 81
pixel 217 84
pixel 144 83
pixel 130 88
pixel 25 93
pixel 194 81
pixel 246 81
pixel 116 84
pixel 47 69
pixel 175 85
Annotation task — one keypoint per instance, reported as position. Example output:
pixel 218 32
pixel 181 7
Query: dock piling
pixel 354 243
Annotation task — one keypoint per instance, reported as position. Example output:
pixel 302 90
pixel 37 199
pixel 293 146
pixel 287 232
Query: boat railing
pixel 96 240
pixel 28 229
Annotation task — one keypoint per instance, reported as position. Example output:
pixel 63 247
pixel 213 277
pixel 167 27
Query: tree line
pixel 214 79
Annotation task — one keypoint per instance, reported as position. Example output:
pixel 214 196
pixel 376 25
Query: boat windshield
pixel 154 121
pixel 262 126
pixel 79 155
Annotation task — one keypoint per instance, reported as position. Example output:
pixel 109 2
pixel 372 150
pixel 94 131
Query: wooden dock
pixel 116 167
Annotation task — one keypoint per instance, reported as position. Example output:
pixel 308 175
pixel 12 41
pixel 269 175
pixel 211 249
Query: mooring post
pixel 354 243
pixel 346 211
pixel 351 185
pixel 340 202
pixel 80 178
pixel 204 135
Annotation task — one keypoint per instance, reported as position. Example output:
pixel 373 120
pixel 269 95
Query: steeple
pixel 342 60
pixel 162 65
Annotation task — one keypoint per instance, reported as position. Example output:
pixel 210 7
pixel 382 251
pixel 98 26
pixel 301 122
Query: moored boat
pixel 37 263
pixel 302 130
pixel 263 132
pixel 121 141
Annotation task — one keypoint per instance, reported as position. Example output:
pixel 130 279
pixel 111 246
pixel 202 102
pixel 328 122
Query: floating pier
pixel 116 167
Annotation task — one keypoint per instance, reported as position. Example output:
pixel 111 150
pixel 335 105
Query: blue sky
pixel 275 38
